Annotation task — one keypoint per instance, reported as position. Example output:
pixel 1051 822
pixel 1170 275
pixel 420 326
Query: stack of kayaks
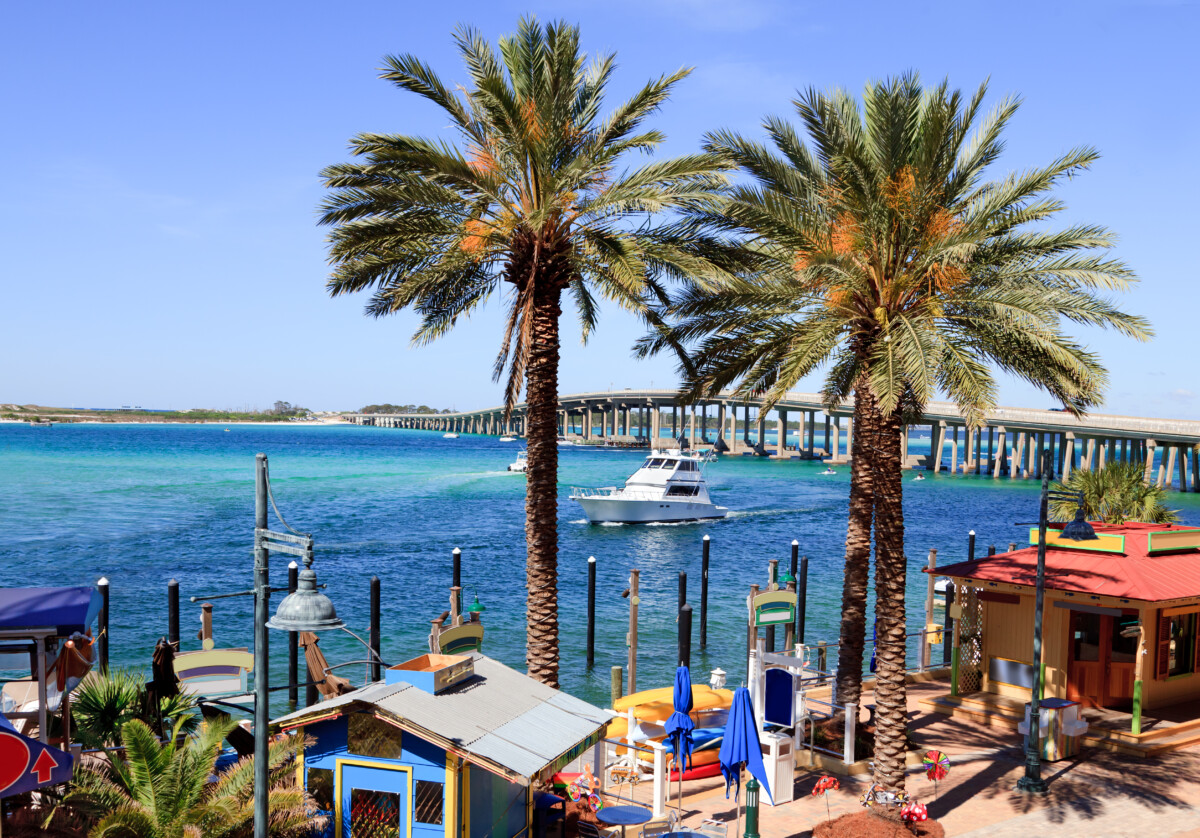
pixel 652 708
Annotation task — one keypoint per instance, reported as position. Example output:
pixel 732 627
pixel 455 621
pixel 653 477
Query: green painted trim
pixel 1103 544
pixel 1042 684
pixel 1137 708
pixel 954 671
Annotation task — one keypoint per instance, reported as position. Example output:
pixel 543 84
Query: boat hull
pixel 617 511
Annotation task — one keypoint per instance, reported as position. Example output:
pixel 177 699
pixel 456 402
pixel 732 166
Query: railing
pixel 659 776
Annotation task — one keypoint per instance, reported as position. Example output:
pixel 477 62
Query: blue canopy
pixel 680 725
pixel 741 746
pixel 69 610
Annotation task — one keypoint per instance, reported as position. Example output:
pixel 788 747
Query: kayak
pixel 703 738
pixel 660 703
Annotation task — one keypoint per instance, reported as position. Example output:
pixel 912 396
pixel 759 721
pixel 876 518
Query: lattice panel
pixel 970 641
pixel 427 801
pixel 372 737
pixel 374 814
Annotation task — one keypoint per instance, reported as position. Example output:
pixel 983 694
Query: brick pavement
pixel 1097 795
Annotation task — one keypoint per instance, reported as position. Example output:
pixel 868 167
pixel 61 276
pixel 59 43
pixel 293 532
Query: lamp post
pixel 1077 530
pixel 303 610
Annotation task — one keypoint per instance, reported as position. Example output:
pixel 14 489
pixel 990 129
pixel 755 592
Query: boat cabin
pixel 1121 622
pixel 444 745
pixel 679 473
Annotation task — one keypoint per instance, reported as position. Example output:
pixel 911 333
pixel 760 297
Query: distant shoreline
pixel 64 420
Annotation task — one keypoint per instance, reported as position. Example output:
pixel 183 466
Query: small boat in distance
pixel 521 463
pixel 508 439
pixel 450 435
pixel 919 477
pixel 829 471
pixel 563 441
pixel 669 486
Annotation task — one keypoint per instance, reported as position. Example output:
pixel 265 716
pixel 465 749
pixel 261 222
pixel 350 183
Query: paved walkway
pixel 1098 795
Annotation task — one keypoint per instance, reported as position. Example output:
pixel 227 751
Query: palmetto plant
pixel 164 790
pixel 532 201
pixel 105 701
pixel 885 259
pixel 1114 494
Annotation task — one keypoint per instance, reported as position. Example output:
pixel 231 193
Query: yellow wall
pixel 1008 633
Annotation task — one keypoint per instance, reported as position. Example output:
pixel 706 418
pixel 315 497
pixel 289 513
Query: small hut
pixel 444 745
pixel 1120 627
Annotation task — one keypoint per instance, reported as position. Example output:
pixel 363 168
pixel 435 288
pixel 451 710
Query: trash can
pixel 1061 728
pixel 779 759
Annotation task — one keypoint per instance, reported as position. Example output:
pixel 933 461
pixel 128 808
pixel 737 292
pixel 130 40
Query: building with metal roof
pixel 444 745
pixel 1121 630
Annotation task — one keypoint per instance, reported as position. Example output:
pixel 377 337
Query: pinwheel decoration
pixel 913 812
pixel 585 788
pixel 937 766
pixel 825 785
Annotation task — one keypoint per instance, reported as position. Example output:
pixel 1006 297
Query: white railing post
pixel 851 724
pixel 659 804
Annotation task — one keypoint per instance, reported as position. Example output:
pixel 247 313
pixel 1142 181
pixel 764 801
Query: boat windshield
pixel 655 462
pixel 688 465
pixel 685 491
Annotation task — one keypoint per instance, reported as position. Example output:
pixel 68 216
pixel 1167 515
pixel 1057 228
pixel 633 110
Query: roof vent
pixel 432 673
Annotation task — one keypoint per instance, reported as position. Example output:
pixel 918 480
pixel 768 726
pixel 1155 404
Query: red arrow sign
pixel 43 766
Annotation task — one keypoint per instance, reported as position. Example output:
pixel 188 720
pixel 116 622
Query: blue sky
pixel 161 161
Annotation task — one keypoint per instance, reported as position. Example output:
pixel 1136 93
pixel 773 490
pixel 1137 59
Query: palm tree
pixel 1114 494
pixel 534 201
pixel 163 789
pixel 884 259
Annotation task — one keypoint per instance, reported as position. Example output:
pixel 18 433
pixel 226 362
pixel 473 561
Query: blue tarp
pixel 741 745
pixel 70 610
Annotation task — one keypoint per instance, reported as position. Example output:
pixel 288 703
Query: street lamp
pixel 304 610
pixel 1077 530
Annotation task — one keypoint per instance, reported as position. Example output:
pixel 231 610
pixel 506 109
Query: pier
pixel 1008 445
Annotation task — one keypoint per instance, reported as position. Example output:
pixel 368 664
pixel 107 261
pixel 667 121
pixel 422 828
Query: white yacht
pixel 669 486
pixel 521 464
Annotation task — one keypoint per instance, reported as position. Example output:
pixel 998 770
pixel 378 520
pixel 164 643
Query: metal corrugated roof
pixel 499 715
pixel 1134 574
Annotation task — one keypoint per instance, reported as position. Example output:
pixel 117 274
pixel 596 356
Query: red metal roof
pixel 1134 573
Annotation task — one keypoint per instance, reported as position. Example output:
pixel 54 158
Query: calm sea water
pixel 141 504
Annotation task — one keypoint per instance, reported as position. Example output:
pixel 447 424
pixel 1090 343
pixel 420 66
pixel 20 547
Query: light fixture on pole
pixel 1077 530
pixel 304 610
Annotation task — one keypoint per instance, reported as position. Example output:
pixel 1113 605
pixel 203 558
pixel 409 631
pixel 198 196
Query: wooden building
pixel 1120 634
pixel 445 745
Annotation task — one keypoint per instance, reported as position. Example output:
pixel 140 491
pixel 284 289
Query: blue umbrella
pixel 741 747
pixel 679 727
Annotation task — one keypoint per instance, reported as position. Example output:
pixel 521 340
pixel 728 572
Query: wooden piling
pixel 102 625
pixel 376 635
pixel 173 613
pixel 617 682
pixel 704 593
pixel 456 580
pixel 591 613
pixel 632 639
pixel 802 598
pixel 685 635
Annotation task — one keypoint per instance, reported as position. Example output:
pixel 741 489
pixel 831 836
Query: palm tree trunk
pixel 541 494
pixel 858 552
pixel 891 709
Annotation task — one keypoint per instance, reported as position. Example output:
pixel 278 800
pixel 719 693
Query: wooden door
pixel 1086 646
pixel 1100 663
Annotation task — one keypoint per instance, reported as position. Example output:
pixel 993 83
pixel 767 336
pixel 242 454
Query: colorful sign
pixel 774 608
pixel 27 764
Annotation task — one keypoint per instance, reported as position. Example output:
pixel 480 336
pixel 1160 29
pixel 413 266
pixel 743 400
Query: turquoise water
pixel 141 504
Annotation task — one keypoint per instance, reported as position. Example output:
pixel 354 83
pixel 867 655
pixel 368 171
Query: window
pixel 1181 655
pixel 655 463
pixel 1124 646
pixel 1176 653
pixel 1086 636
pixel 682 491
pixel 374 814
pixel 428 801
pixel 320 786
pixel 370 737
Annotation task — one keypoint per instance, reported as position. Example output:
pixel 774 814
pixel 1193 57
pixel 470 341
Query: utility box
pixel 1061 728
pixel 779 758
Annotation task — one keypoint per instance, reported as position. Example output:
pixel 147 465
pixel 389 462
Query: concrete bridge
pixel 1007 446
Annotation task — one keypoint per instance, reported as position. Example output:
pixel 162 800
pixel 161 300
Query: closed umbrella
pixel 741 748
pixel 680 725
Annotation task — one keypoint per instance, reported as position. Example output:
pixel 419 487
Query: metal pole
pixel 1032 782
pixel 102 625
pixel 591 612
pixel 971 545
pixel 682 590
pixel 262 695
pixel 173 613
pixel 685 636
pixel 704 593
pixel 375 638
pixel 293 644
pixel 457 580
pixel 633 620
pixel 802 603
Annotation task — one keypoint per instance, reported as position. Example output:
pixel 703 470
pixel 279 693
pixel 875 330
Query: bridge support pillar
pixel 954 452
pixel 1149 473
pixel 811 418
pixel 781 434
pixel 998 464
